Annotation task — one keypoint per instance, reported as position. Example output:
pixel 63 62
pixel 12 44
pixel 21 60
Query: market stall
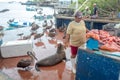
pixel 101 59
pixel 90 23
pixel 96 65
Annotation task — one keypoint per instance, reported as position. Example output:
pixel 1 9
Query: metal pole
pixel 81 6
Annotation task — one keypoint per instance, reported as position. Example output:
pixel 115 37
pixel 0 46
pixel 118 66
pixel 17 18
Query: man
pixel 95 11
pixel 75 36
pixel 87 12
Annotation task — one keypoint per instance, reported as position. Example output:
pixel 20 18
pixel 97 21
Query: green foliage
pixel 105 6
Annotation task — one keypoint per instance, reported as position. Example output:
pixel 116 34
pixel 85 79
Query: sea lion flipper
pixel 36 67
pixel 66 59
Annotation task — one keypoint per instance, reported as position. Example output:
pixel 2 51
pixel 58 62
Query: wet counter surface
pixel 42 49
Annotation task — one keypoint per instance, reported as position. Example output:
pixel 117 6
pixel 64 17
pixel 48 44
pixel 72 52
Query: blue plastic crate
pixel 92 44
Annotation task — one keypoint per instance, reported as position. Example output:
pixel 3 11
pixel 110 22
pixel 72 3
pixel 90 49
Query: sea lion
pixel 58 57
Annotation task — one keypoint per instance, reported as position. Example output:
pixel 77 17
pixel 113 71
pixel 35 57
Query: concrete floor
pixel 42 49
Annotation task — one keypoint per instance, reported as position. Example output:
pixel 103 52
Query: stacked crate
pixel 112 29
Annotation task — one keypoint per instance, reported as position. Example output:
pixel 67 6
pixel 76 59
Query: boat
pixel 49 16
pixel 18 23
pixel 31 8
pixel 39 16
pixel 8 28
pixel 39 10
pixel 29 3
pixel 43 16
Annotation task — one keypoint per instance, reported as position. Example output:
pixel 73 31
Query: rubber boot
pixel 73 65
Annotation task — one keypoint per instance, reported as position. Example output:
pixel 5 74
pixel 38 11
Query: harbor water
pixel 19 13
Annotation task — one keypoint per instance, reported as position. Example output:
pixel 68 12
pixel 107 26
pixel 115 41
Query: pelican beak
pixel 34 56
pixel 31 54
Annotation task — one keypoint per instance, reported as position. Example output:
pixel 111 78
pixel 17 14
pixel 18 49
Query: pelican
pixel 34 27
pixel 26 37
pixel 26 63
pixel 20 34
pixel 1 28
pixel 52 33
pixel 44 23
pixel 49 26
pixel 10 20
pixel 39 35
pixel 63 28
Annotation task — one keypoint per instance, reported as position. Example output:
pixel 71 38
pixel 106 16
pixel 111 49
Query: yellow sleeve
pixel 69 29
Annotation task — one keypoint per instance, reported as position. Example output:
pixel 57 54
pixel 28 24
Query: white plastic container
pixel 16 48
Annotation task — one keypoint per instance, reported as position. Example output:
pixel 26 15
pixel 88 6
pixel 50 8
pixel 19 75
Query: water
pixel 18 11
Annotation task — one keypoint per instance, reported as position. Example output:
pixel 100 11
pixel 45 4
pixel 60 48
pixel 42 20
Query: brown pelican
pixel 26 63
pixel 52 33
pixel 63 28
pixel 58 57
pixel 10 20
pixel 44 23
pixel 1 34
pixel 34 26
pixel 49 26
pixel 64 36
pixel 26 37
pixel 38 36
pixel 1 28
pixel 20 34
pixel 33 33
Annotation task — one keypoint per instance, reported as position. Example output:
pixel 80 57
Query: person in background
pixel 95 11
pixel 75 37
pixel 87 12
